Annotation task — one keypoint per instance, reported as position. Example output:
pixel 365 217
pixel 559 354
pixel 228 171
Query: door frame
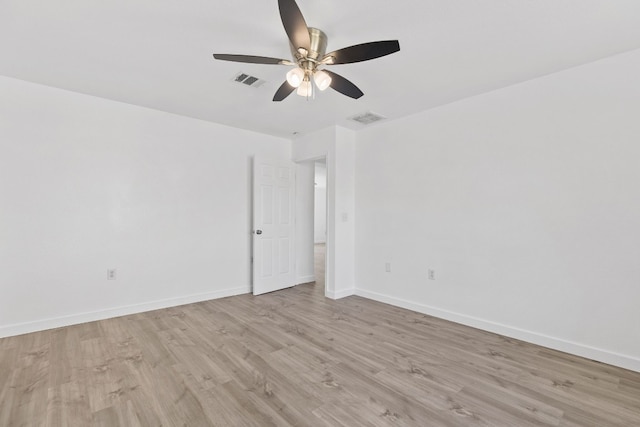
pixel 329 279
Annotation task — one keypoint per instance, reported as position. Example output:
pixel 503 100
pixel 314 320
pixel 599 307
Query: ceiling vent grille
pixel 248 80
pixel 367 118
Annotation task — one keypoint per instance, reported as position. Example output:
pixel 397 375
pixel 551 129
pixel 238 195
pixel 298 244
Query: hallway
pixel 319 259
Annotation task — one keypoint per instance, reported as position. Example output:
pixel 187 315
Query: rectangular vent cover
pixel 367 118
pixel 248 80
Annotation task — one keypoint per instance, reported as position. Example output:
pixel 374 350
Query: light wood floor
pixel 295 358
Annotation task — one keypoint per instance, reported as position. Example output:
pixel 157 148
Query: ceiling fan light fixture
pixel 305 88
pixel 322 79
pixel 295 76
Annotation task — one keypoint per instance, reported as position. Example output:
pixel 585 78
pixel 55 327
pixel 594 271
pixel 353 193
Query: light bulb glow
pixel 305 88
pixel 295 76
pixel 322 79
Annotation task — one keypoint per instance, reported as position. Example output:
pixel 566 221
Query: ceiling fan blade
pixel 251 59
pixel 283 91
pixel 343 85
pixel 294 24
pixel 363 52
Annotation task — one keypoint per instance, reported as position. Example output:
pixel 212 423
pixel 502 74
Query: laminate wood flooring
pixel 295 358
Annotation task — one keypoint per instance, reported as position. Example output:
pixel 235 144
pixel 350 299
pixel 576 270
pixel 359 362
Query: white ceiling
pixel 158 54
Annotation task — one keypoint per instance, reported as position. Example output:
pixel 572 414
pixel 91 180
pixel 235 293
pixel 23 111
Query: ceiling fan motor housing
pixel 317 50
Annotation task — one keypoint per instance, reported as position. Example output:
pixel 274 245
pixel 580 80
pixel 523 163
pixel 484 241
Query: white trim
pixel 305 279
pixel 74 319
pixel 601 355
pixel 340 294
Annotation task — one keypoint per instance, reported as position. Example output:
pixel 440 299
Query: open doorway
pixel 320 223
pixel 314 225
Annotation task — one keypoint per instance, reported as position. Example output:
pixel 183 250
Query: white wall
pixel 320 204
pixel 88 184
pixel 337 145
pixel 343 174
pixel 526 203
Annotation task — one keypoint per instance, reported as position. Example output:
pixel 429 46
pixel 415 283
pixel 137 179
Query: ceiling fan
pixel 308 47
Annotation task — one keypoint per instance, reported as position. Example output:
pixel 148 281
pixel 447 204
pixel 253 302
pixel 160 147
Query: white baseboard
pixel 605 356
pixel 305 279
pixel 340 294
pixel 74 319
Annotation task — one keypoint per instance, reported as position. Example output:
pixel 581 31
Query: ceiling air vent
pixel 367 118
pixel 248 80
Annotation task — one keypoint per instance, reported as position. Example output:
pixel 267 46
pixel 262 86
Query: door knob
pixel 258 231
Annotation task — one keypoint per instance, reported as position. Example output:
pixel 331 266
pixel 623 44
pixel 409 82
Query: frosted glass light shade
pixel 322 79
pixel 295 76
pixel 304 89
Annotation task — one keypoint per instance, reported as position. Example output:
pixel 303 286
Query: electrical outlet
pixel 387 267
pixel 431 274
pixel 111 274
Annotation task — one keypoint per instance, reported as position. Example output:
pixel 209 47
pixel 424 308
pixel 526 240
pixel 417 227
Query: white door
pixel 273 225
